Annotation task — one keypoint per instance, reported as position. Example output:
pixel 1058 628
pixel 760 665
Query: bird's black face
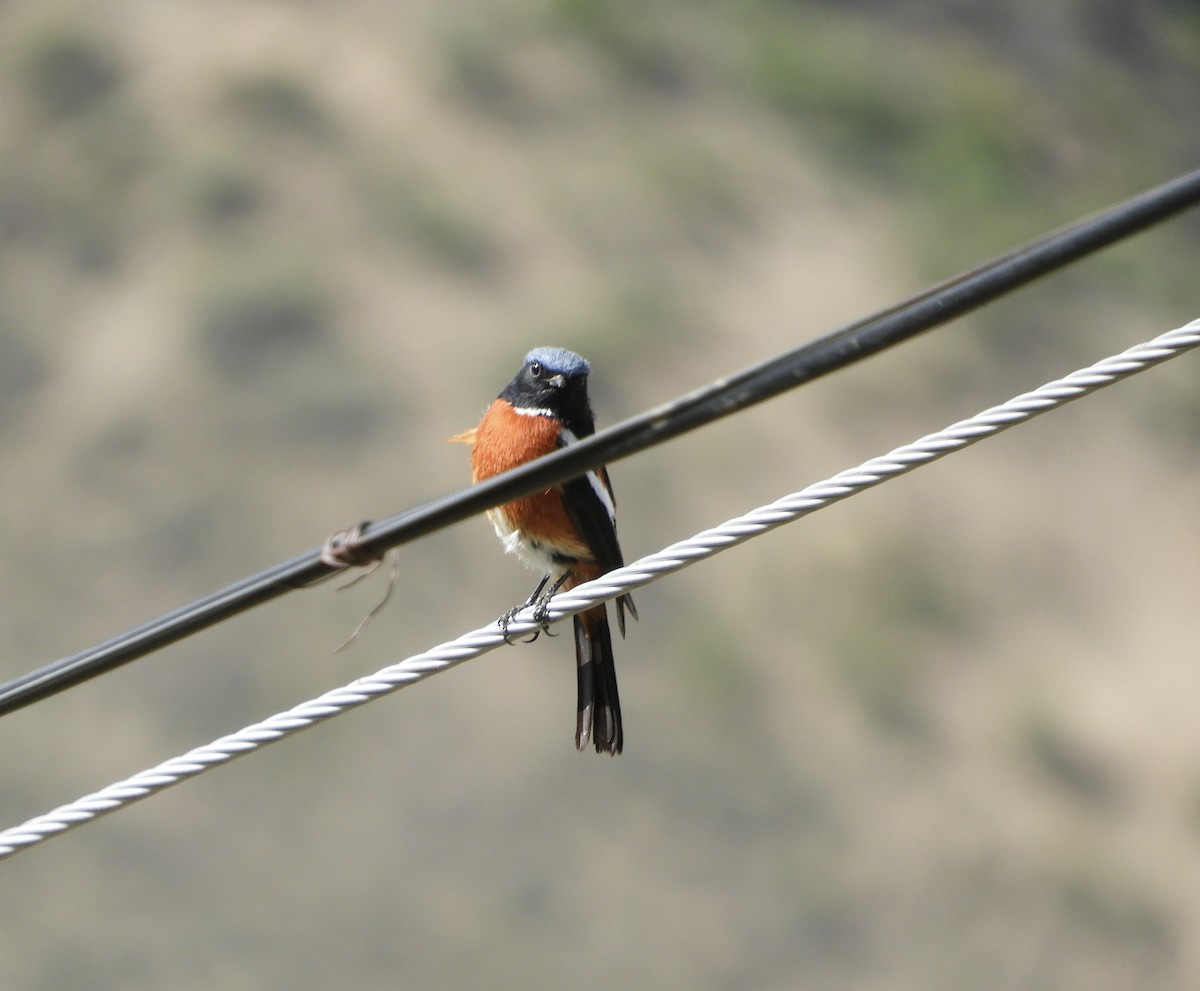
pixel 554 381
pixel 546 386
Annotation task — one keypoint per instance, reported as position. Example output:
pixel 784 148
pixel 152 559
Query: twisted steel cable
pixel 642 572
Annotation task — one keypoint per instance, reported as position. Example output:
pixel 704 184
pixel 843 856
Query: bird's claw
pixel 540 614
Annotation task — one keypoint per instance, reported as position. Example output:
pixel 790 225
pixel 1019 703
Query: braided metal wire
pixel 648 569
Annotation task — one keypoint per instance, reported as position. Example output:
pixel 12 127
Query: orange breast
pixel 504 440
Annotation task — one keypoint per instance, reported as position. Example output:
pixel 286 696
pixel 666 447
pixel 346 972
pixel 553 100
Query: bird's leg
pixel 540 600
pixel 542 606
pixel 507 618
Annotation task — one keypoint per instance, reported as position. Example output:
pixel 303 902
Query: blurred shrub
pixel 886 676
pixel 700 189
pixel 419 215
pixel 947 120
pixel 907 600
pixel 276 103
pixel 639 47
pixel 68 73
pixel 1069 765
pixel 22 199
pixel 264 323
pixel 23 367
pixel 74 191
pixel 221 192
pixel 480 70
pixel 257 311
pixel 1120 915
pixel 76 157
pixel 822 78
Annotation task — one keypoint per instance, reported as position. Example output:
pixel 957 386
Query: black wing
pixel 590 514
pixel 591 517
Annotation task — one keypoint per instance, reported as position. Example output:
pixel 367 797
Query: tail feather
pixel 598 718
pixel 625 602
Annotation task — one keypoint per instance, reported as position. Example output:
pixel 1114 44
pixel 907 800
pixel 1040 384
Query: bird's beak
pixel 557 381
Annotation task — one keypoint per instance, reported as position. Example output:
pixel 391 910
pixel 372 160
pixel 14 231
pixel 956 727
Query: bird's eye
pixel 535 369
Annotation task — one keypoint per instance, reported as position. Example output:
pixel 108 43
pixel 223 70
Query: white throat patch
pixel 532 411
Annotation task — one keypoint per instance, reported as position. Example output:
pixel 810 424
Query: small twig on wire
pixel 393 573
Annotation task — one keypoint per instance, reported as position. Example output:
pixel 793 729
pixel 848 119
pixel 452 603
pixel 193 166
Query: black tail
pixel 598 717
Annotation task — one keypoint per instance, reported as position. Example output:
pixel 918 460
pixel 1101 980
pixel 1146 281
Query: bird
pixel 567 532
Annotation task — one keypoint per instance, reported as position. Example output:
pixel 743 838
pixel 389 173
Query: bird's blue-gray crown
pixel 560 361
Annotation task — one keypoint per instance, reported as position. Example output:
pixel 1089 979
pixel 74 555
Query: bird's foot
pixel 540 600
pixel 508 617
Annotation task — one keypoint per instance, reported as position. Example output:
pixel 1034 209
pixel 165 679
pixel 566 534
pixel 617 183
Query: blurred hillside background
pixel 258 259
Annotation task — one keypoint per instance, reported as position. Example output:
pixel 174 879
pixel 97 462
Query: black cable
pixel 931 308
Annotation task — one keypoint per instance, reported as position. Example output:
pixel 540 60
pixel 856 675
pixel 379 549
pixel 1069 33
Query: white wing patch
pixel 598 486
